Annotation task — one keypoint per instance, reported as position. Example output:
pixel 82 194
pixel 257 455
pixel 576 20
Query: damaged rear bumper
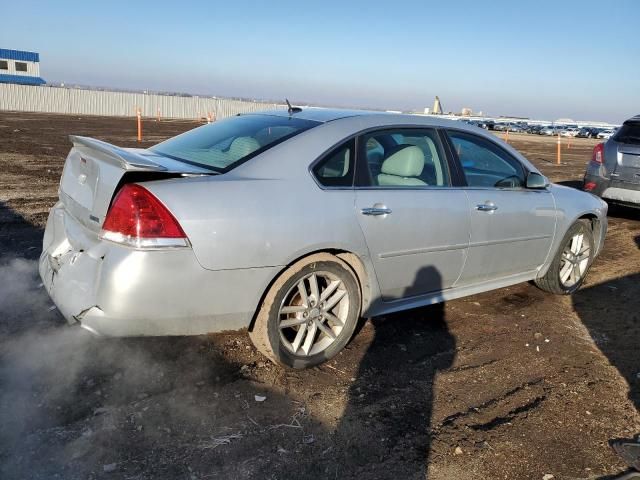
pixel 114 290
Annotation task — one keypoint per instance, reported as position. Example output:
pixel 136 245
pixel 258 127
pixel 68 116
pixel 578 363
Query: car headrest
pixel 408 161
pixel 242 146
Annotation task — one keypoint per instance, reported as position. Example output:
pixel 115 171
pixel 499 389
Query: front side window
pixel 21 67
pixel 403 158
pixel 336 169
pixel 223 145
pixel 4 65
pixel 485 164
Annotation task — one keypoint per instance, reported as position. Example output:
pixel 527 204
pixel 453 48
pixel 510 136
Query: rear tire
pixel 309 313
pixel 572 261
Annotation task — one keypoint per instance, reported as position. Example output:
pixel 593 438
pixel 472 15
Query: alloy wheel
pixel 313 313
pixel 575 260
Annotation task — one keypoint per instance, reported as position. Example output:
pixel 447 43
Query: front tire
pixel 571 264
pixel 309 313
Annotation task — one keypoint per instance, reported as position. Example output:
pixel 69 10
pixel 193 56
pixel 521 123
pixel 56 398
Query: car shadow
pixel 384 431
pixel 611 313
pixel 624 213
pixel 577 184
pixel 19 237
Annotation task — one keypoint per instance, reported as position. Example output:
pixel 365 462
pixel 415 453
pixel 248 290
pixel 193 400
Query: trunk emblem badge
pixel 82 178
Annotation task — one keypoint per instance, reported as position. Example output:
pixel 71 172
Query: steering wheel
pixel 512 181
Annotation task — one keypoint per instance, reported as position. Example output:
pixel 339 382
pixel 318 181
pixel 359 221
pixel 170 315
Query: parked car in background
pixel 480 123
pixel 511 127
pixel 549 130
pixel 606 134
pixel 570 132
pixel 614 170
pixel 489 124
pixel 294 224
pixel 587 132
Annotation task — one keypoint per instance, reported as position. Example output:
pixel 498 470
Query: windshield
pixel 223 145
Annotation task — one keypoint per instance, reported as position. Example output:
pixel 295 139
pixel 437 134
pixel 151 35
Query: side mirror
pixel 537 181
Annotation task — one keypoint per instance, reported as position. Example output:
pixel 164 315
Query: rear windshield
pixel 629 133
pixel 223 145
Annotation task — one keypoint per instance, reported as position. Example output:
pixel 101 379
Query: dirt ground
pixel 513 384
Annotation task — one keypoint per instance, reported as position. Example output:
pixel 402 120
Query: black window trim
pixel 351 139
pixel 463 179
pixel 26 66
pixel 456 173
pixel 6 62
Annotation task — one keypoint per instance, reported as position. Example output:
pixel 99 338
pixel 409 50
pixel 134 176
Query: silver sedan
pixel 295 224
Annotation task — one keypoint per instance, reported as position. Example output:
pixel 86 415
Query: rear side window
pixel 485 164
pixel 223 145
pixel 337 168
pixel 628 133
pixel 398 158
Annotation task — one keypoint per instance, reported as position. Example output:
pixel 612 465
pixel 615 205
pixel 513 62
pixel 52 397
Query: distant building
pixel 21 67
pixel 437 107
pixel 466 112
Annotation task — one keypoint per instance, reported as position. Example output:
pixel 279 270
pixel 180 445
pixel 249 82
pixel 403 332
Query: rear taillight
pixel 588 186
pixel 138 219
pixel 598 153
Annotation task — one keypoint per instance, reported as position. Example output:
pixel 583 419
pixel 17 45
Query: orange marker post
pixel 158 115
pixel 139 115
pixel 559 149
pixel 506 135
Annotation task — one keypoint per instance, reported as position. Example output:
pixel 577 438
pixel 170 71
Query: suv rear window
pixel 223 145
pixel 628 133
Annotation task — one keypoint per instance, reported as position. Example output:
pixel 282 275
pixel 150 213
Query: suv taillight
pixel 138 219
pixel 598 153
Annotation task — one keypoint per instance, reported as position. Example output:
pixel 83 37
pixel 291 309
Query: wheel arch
pixel 364 276
pixel 594 222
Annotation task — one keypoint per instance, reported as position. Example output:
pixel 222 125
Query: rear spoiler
pixel 117 156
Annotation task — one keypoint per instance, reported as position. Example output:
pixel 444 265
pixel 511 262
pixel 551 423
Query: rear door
pixel 511 227
pixel 625 148
pixel 415 223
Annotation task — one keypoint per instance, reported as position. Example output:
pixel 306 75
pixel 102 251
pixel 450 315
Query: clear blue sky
pixel 544 59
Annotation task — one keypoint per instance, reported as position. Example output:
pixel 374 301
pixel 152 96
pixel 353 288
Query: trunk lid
pixel 94 170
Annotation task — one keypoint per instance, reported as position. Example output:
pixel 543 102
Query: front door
pixel 512 227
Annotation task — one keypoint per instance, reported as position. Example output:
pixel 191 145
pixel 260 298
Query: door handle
pixel 486 207
pixel 376 211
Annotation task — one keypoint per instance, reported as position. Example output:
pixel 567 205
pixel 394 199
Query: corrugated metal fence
pixel 27 98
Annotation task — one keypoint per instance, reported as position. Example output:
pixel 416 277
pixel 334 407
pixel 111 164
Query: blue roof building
pixel 17 66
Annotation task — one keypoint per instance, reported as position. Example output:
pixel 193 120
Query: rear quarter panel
pixel 250 223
